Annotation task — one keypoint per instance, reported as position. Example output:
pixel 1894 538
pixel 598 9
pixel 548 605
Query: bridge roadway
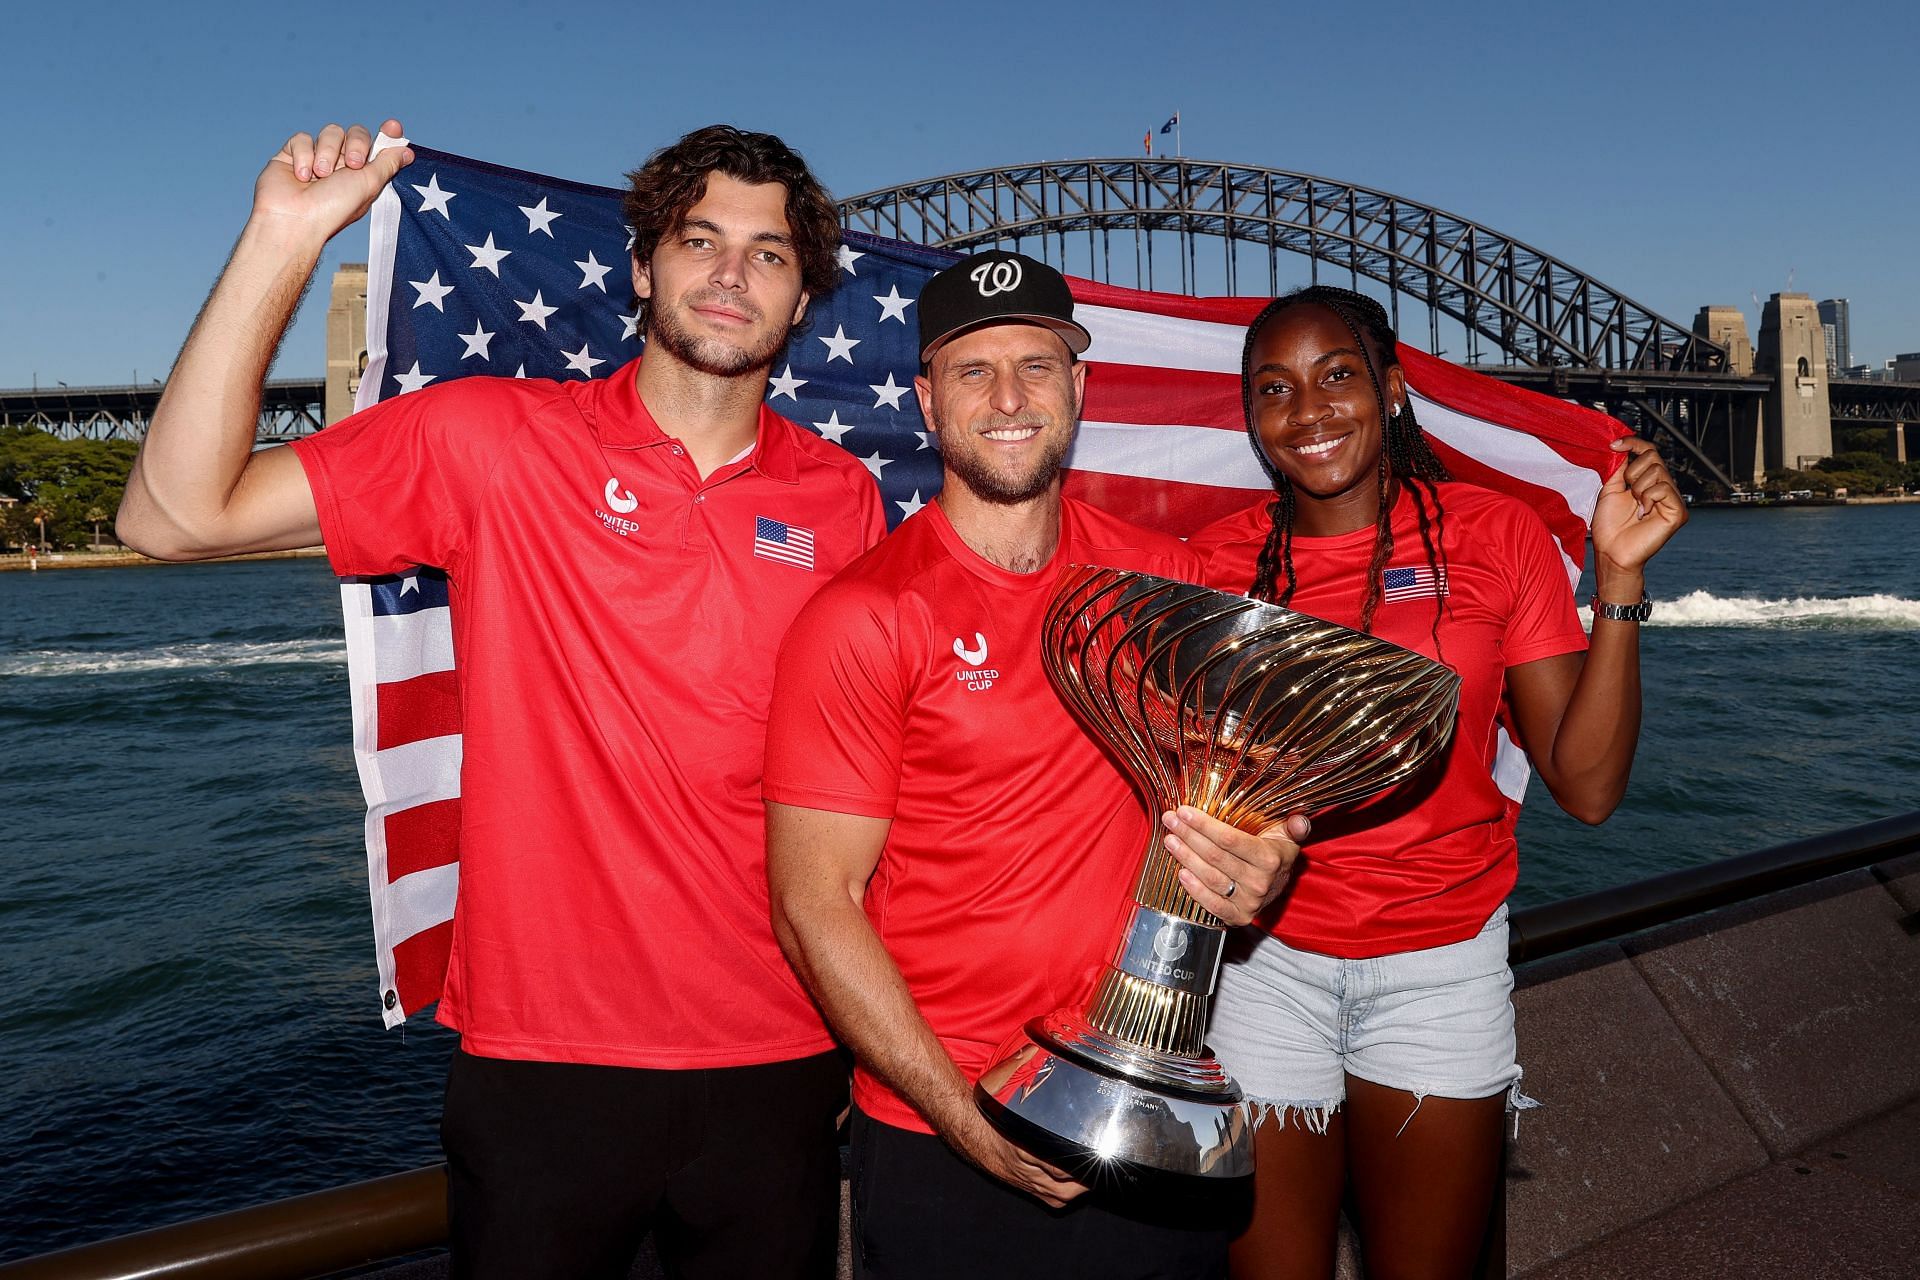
pixel 289 407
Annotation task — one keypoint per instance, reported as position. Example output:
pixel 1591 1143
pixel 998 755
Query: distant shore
pixel 1864 500
pixel 120 557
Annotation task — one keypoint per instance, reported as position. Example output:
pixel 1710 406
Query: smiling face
pixel 1317 418
pixel 724 286
pixel 1003 400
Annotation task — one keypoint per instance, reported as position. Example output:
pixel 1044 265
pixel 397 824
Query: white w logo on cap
pixel 1002 276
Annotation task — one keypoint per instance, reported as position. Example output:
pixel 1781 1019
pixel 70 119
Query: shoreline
pixel 16 563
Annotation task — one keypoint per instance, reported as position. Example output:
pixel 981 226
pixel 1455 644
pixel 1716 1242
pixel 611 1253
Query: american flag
pixel 475 269
pixel 1412 583
pixel 787 543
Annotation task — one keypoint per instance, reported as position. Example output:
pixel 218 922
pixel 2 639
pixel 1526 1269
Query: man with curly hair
pixel 635 1054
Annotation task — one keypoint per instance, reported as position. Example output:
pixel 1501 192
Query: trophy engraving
pixel 1246 711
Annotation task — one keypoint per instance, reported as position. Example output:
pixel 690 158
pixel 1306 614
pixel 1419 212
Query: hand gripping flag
pixel 480 270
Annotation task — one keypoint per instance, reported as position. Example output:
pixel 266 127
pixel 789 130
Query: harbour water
pixel 187 1000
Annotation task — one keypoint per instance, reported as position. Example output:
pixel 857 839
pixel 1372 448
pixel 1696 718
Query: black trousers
pixel 920 1212
pixel 558 1169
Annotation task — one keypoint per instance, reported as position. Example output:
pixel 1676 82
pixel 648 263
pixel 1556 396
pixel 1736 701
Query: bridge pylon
pixel 1727 327
pixel 346 339
pixel 1793 350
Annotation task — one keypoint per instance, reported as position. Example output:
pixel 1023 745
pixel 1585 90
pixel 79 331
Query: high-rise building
pixel 1833 319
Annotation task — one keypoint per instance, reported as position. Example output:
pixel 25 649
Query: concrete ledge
pixel 1902 878
pixel 1805 1004
pixel 1633 1121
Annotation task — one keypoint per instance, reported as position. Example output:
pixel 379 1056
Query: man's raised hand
pixel 321 183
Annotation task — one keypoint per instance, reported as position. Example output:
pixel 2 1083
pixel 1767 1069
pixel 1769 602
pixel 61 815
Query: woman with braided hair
pixel 1371 1018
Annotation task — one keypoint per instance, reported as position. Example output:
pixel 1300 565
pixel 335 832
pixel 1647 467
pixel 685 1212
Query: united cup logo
pixel 1002 276
pixel 1170 942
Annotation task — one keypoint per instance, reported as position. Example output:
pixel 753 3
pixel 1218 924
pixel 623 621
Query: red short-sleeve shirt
pixel 616 619
pixel 1428 862
pixel 912 689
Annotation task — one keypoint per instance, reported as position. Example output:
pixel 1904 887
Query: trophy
pixel 1246 711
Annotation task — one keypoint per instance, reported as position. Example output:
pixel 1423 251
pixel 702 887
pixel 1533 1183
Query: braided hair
pixel 1405 456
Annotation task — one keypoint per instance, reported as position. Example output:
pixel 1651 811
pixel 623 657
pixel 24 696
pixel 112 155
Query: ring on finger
pixel 1233 887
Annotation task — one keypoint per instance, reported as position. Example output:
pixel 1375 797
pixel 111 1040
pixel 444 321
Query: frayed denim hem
pixel 1312 1117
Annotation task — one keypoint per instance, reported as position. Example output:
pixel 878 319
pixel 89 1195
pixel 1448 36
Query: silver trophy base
pixel 1103 1112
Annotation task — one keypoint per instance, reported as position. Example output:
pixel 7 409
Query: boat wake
pixel 1843 613
pixel 212 656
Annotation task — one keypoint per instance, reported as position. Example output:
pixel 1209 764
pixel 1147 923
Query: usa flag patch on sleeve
pixel 787 543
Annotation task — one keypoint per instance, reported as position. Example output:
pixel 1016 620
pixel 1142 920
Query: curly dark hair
pixel 1405 455
pixel 674 179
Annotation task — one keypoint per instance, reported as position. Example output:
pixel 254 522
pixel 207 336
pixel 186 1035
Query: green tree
pixel 62 481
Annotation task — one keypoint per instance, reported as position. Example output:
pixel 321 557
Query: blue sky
pixel 1683 154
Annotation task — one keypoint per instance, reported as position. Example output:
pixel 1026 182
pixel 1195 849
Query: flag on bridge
pixel 479 270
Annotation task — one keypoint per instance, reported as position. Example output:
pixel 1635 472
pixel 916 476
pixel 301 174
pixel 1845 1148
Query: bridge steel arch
pixel 1538 311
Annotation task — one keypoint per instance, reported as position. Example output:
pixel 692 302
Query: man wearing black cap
pixel 950 853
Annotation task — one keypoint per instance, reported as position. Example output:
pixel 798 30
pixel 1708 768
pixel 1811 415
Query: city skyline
pixel 1666 155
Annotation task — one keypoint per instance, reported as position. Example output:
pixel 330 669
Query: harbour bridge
pixel 1483 298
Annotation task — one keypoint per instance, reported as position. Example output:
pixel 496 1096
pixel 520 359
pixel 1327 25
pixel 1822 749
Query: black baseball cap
pixel 996 285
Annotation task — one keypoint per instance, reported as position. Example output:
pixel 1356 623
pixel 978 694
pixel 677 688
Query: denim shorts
pixel 1290 1025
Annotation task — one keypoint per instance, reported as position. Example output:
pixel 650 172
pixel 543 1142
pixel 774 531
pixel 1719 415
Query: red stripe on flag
pixel 1175 306
pixel 423 837
pixel 1171 506
pixel 1573 431
pixel 1161 397
pixel 426 706
pixel 420 965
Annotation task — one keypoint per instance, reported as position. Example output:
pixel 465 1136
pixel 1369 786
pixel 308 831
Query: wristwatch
pixel 1622 612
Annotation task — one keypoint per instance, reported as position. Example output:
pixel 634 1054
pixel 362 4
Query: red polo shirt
pixel 616 620
pixel 912 689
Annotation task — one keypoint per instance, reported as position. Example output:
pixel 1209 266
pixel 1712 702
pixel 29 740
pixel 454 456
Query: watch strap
pixel 1623 612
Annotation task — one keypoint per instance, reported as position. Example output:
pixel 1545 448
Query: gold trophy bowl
pixel 1248 712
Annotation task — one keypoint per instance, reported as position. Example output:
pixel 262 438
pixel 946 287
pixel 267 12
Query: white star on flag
pixel 832 429
pixel 432 292
pixel 540 218
pixel 892 305
pixel 582 360
pixel 847 258
pixel 785 385
pixel 839 346
pixel 486 257
pixel 476 342
pixel 410 583
pixel 630 325
pixel 432 197
pixel 889 393
pixel 926 439
pixel 875 462
pixel 593 273
pixel 909 506
pixel 413 379
pixel 536 311
pixel 521 372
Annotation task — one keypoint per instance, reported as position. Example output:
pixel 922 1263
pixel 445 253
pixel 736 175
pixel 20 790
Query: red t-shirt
pixel 616 620
pixel 1426 863
pixel 911 688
